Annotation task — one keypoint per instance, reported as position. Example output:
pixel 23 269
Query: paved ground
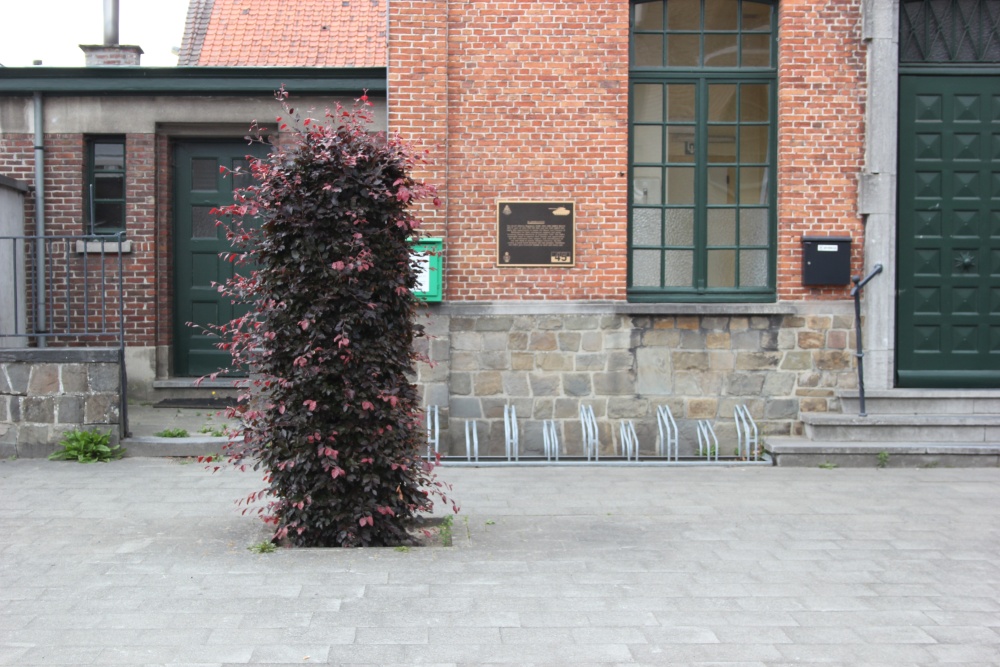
pixel 145 562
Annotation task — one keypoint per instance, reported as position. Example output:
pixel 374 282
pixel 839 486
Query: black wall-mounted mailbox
pixel 826 260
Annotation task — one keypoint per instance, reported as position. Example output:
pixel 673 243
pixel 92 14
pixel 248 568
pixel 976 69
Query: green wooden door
pixel 200 186
pixel 948 307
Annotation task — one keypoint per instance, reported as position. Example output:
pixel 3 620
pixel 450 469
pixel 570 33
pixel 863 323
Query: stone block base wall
pixel 624 361
pixel 46 392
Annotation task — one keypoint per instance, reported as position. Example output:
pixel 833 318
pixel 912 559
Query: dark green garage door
pixel 948 312
pixel 201 186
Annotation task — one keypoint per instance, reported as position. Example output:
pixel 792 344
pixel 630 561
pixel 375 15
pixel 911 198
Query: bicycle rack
pixel 707 440
pixel 511 444
pixel 588 426
pixel 669 439
pixel 625 448
pixel 471 440
pixel 550 440
pixel 433 432
pixel 629 441
pixel 746 433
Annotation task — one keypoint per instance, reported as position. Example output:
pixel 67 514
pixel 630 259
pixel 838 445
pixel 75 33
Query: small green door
pixel 201 184
pixel 948 306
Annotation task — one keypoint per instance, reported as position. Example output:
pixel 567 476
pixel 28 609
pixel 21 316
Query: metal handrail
pixel 80 293
pixel 856 294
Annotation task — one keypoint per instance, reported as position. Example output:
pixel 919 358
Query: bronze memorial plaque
pixel 536 233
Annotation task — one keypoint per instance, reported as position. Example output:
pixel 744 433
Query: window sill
pixel 104 247
pixel 566 308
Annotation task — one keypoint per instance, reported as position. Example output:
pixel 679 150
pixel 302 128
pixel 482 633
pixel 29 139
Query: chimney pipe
pixel 110 22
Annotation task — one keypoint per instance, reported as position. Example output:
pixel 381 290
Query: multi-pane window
pixel 702 150
pixel 106 185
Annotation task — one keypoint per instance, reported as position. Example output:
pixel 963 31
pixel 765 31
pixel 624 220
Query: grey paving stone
pixel 885 654
pixel 581 565
pixel 286 654
pixel 391 635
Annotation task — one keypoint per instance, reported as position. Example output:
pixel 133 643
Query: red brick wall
pixel 65 173
pixel 140 223
pixel 17 161
pixel 64 184
pixel 537 109
pixel 821 88
pixel 164 243
pixel 418 94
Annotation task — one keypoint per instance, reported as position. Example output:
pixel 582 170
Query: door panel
pixel 948 320
pixel 200 186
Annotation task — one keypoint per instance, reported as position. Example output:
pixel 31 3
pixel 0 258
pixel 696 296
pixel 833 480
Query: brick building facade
pixel 704 147
pixel 532 102
pixel 148 116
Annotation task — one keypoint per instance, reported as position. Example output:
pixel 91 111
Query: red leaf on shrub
pixel 367 405
pixel 304 324
pixel 310 406
pixel 337 472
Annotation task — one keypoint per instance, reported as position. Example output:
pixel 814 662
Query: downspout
pixel 40 323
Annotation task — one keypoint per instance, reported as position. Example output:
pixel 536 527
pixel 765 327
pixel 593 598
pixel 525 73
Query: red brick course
pixel 519 100
pixel 821 91
pixel 65 215
pixel 531 104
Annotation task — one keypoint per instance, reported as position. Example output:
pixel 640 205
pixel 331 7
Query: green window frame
pixel 702 145
pixel 105 185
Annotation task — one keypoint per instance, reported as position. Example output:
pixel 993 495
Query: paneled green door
pixel 948 307
pixel 200 186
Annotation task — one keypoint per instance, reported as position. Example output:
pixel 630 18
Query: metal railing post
pixel 856 293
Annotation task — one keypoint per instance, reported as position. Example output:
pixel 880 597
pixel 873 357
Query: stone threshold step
pixel 152 447
pixel 193 384
pixel 890 419
pixel 782 445
pixel 796 452
pixel 923 393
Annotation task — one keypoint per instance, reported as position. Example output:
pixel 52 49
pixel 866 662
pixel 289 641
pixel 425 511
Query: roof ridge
pixel 195 28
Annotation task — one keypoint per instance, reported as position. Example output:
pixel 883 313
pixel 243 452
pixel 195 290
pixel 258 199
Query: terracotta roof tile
pixel 289 33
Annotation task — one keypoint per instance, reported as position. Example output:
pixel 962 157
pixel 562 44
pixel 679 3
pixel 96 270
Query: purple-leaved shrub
pixel 330 414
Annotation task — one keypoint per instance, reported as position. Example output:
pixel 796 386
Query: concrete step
pixel 924 402
pixel 202 426
pixel 902 428
pixel 800 452
pixel 190 389
pixel 152 446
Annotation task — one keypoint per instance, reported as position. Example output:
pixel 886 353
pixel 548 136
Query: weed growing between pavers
pixel 264 547
pixel 172 433
pixel 445 530
pixel 330 413
pixel 214 431
pixel 87 447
